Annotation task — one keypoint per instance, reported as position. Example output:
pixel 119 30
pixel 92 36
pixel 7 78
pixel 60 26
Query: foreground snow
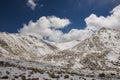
pixel 27 70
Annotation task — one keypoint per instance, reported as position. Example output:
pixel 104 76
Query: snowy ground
pixel 26 70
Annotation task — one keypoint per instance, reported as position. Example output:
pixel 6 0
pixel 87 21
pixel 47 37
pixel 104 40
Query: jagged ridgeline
pixel 98 54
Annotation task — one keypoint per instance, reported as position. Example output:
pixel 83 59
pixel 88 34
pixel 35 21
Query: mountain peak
pixel 24 46
pixel 104 29
pixel 97 50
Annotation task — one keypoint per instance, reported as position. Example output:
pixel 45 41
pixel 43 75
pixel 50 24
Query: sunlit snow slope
pixel 24 46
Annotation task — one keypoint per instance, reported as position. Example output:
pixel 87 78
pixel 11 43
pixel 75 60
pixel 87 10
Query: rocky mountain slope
pixel 24 46
pixel 100 52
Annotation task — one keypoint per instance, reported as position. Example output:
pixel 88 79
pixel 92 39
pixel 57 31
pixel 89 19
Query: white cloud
pixel 31 4
pixel 112 21
pixel 75 34
pixel 48 27
pixel 57 22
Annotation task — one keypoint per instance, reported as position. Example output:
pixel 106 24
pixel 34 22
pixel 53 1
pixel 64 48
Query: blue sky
pixel 59 20
pixel 14 13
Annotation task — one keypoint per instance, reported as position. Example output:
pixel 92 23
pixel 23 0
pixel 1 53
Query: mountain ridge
pixel 100 50
pixel 27 57
pixel 24 45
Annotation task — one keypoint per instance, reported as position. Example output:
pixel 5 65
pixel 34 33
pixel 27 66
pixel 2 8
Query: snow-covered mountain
pixel 67 45
pixel 102 49
pixel 99 52
pixel 24 46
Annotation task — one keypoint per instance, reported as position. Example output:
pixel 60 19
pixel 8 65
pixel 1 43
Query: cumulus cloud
pixel 31 4
pixel 112 21
pixel 57 22
pixel 46 27
pixel 49 27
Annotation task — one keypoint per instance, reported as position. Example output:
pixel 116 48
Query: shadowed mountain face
pixel 100 51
